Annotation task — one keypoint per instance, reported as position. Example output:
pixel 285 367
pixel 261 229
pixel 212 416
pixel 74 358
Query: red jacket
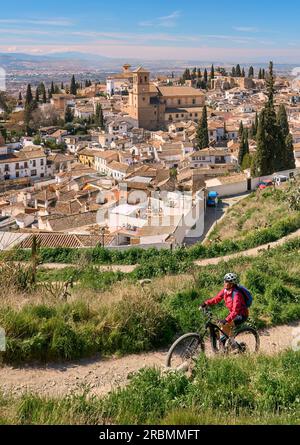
pixel 236 305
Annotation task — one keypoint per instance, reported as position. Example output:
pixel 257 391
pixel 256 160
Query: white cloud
pixel 245 29
pixel 167 21
pixel 45 22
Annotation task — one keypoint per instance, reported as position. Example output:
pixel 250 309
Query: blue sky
pixel 216 30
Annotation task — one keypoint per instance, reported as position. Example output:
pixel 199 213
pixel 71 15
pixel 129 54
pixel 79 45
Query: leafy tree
pixel 202 131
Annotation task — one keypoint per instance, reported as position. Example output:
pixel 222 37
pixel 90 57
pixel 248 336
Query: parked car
pixel 279 179
pixel 264 184
pixel 212 199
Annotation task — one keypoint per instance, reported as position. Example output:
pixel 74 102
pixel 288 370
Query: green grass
pixel 142 322
pixel 260 210
pixel 230 390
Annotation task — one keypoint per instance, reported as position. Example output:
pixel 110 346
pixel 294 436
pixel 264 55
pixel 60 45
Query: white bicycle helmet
pixel 231 278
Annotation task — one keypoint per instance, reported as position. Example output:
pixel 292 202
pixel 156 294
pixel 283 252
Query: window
pixel 194 101
pixel 179 101
pixel 42 175
pixel 146 78
pixel 17 166
pixel 196 114
pixel 6 168
pixel 42 161
pixel 191 114
pixel 17 174
pixel 33 173
pixel 25 164
pixel 182 115
pixel 177 115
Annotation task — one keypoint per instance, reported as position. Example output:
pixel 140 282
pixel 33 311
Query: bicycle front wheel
pixel 248 340
pixel 184 351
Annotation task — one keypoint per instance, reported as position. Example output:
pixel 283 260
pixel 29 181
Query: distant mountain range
pixel 85 62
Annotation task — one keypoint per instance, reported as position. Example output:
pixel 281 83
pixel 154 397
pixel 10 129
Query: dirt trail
pixel 251 252
pixel 102 375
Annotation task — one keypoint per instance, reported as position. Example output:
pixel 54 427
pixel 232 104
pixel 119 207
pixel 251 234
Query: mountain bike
pixel 187 348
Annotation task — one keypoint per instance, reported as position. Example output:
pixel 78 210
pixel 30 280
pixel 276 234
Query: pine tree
pixel 69 116
pixel 251 72
pixel 202 131
pixel 73 87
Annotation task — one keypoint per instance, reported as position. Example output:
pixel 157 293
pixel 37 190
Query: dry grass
pixel 118 291
pixel 256 211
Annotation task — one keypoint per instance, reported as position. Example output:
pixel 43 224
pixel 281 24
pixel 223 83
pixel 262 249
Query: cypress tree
pixel 238 72
pixel 99 119
pixel 29 97
pixel 244 147
pixel 270 154
pixel 52 90
pixel 243 72
pixel 205 77
pixel 37 95
pixel 212 72
pixel 202 131
pixel 241 130
pixel 68 115
pixel 62 86
pixel 260 73
pixel 199 74
pixel 288 158
pixel 194 73
pixel 251 72
pixel 73 87
pixel 263 74
pixel 233 72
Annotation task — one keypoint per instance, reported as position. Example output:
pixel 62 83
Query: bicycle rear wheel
pixel 248 340
pixel 184 351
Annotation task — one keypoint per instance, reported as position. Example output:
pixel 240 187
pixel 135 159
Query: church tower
pixel 142 99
